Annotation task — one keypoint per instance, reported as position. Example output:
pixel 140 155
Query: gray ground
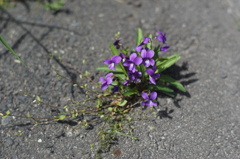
pixel 205 33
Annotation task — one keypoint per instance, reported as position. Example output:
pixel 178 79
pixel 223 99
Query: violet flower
pixel 138 48
pixel 123 56
pixel 144 42
pixel 106 81
pixel 114 89
pixel 161 37
pixel 132 61
pixel 133 77
pixel 164 48
pixel 112 62
pixel 149 102
pixel 117 43
pixel 152 75
pixel 147 57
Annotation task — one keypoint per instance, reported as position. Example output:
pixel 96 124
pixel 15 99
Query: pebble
pixel 6 121
pixel 39 140
pixel 9 142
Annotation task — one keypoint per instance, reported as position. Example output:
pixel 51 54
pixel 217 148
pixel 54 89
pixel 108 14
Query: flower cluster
pixel 138 71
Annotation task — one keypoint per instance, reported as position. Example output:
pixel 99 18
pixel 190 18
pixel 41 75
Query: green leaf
pixel 115 83
pixel 110 109
pixel 149 45
pixel 8 112
pixel 113 49
pixel 131 92
pixel 139 37
pixel 28 115
pixel 170 80
pixel 11 50
pixel 120 75
pixel 38 99
pixel 99 103
pixel 161 88
pixel 61 117
pixel 169 94
pixel 167 62
pixel 156 52
pixel 105 68
pixel 57 5
pixel 122 103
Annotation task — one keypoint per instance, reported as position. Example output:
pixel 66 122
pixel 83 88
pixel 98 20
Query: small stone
pixel 223 76
pixel 162 101
pixel 69 133
pixel 6 121
pixel 9 142
pixel 39 140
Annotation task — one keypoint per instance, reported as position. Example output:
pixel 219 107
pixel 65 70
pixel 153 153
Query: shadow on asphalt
pixel 10 18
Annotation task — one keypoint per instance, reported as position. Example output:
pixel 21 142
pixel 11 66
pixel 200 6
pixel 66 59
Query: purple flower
pixel 144 42
pixel 149 102
pixel 147 57
pixel 161 37
pixel 152 75
pixel 132 61
pixel 164 48
pixel 106 81
pixel 117 43
pixel 112 62
pixel 133 77
pixel 126 83
pixel 114 89
pixel 138 48
pixel 123 56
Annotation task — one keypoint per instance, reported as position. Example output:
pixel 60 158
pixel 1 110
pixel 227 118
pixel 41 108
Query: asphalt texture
pixel 203 123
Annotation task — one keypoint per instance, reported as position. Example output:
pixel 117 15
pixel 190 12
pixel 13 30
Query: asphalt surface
pixel 203 124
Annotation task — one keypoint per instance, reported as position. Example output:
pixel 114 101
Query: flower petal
pixel 104 86
pixel 164 48
pixel 152 80
pixel 137 60
pixel 144 95
pixel 154 103
pixel 107 62
pixel 146 62
pixel 116 59
pixel 150 71
pixel 156 75
pixel 152 63
pixel 145 41
pixel 144 53
pixel 114 89
pixel 102 79
pixel 122 55
pixel 112 66
pixel 126 83
pixel 109 80
pixel 144 103
pixel 149 103
pixel 127 63
pixel 138 48
pixel 150 53
pixel 132 56
pixel 132 68
pixel 153 96
pixel 109 75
